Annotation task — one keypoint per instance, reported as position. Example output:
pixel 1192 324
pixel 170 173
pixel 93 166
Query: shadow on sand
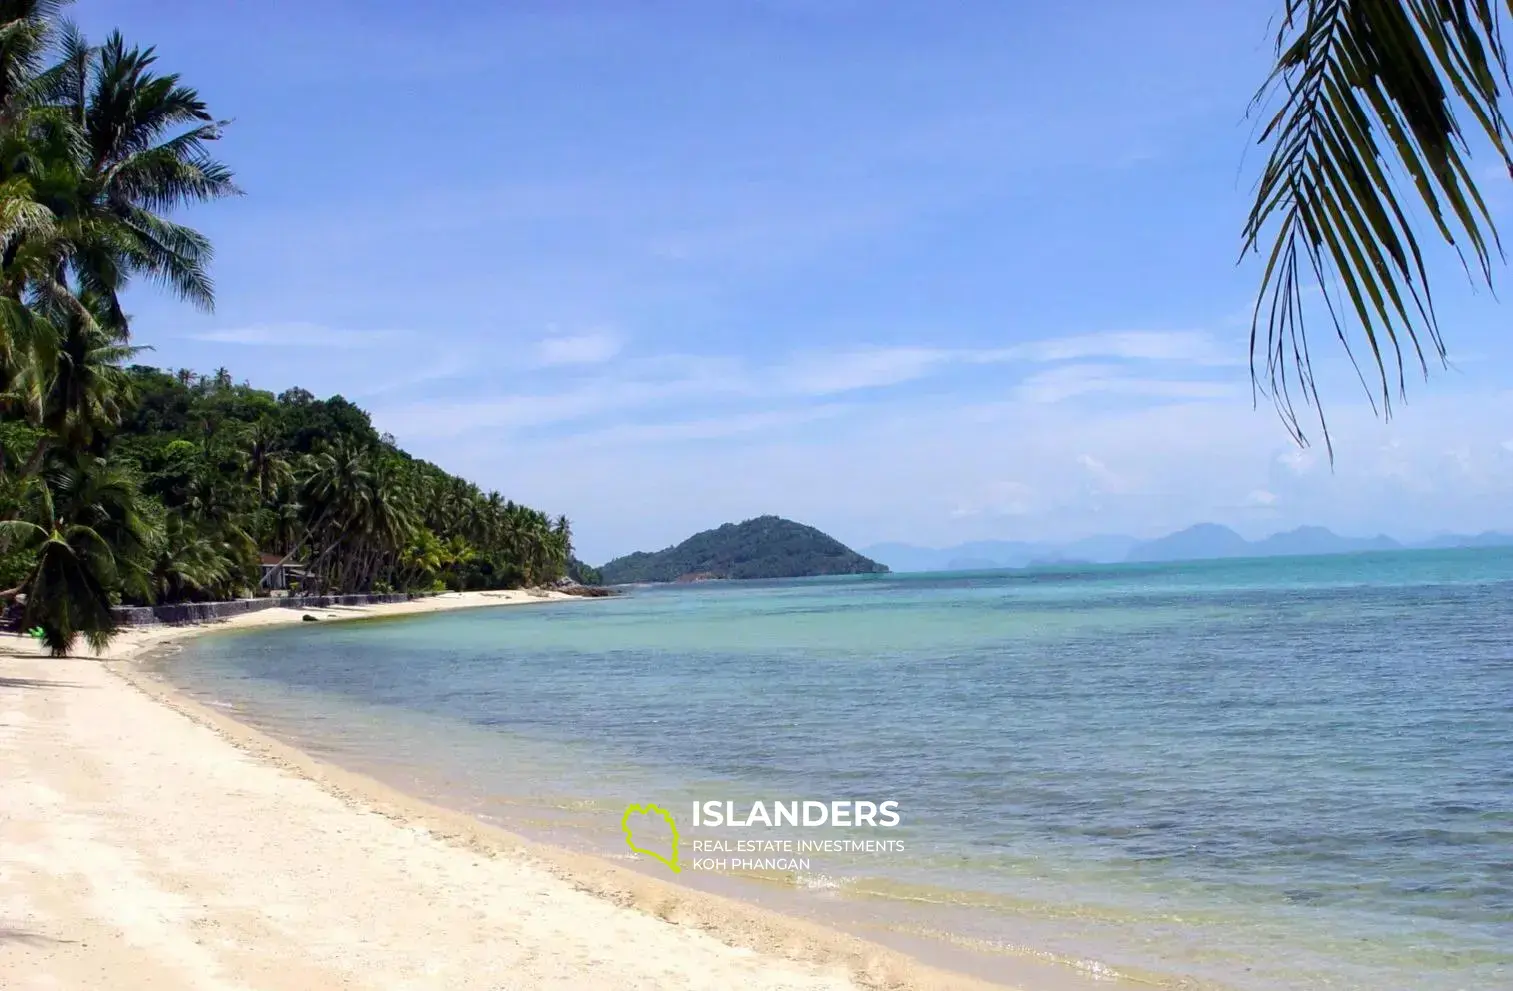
pixel 9 934
pixel 36 683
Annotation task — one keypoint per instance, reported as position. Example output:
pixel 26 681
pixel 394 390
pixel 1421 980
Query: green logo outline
pixel 671 824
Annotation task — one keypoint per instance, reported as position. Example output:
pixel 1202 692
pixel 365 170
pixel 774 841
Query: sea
pixel 1285 773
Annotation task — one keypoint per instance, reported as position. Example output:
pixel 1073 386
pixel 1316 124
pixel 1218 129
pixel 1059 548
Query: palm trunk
pixel 31 467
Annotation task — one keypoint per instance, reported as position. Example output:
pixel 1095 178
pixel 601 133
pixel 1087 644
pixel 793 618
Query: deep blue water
pixel 1289 773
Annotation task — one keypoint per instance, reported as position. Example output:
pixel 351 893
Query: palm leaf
pixel 1368 94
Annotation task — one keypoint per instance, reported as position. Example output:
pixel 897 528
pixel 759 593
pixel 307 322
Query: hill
pixel 1209 540
pixel 1206 540
pixel 984 555
pixel 1488 538
pixel 766 547
pixel 1318 540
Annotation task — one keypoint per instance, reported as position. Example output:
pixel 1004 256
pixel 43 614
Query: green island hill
pixel 765 547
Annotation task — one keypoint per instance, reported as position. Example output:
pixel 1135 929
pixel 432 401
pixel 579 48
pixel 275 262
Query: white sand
pixel 147 842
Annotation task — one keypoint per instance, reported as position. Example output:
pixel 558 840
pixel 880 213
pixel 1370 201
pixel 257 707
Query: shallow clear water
pixel 1290 773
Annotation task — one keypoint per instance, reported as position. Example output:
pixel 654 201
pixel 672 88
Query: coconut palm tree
pixel 68 587
pixel 263 460
pixel 95 152
pixel 140 143
pixel 1368 116
pixel 84 389
pixel 93 540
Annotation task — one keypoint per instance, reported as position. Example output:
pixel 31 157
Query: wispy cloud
pixel 580 349
pixel 863 368
pixel 580 403
pixel 1065 382
pixel 722 390
pixel 708 428
pixel 306 335
pixel 822 373
pixel 1184 346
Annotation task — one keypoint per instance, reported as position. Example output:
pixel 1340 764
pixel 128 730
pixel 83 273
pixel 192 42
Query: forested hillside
pixel 201 475
pixel 125 484
pixel 765 547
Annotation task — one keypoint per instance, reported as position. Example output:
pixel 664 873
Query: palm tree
pixel 26 27
pixel 68 588
pixel 1365 101
pixel 263 460
pixel 95 152
pixel 85 388
pixel 188 564
pixel 140 143
pixel 94 539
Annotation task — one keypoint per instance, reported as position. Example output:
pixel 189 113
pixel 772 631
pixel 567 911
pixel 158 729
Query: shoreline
pixel 682 937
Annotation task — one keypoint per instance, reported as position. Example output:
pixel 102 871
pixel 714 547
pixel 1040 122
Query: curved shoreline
pixel 777 944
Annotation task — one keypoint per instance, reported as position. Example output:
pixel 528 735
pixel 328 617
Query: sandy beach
pixel 149 842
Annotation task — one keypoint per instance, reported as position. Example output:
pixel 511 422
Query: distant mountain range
pixel 985 555
pixel 1204 541
pixel 766 547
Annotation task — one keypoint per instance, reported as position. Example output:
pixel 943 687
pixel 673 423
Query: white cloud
pixel 715 389
pixel 938 474
pixel 997 499
pixel 1299 461
pixel 307 335
pixel 1065 382
pixel 1179 346
pixel 820 373
pixel 824 373
pixel 1105 480
pixel 707 428
pixel 583 400
pixel 592 348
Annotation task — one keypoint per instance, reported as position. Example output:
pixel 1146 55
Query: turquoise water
pixel 1289 773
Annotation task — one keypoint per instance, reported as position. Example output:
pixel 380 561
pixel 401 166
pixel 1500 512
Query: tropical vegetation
pixel 1367 146
pixel 123 484
pixel 765 547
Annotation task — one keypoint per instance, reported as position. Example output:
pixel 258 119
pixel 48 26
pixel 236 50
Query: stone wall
pixel 206 612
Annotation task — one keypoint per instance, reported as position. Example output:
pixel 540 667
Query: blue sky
pixel 904 271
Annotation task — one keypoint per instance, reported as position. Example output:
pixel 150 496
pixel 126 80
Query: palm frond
pixel 1369 92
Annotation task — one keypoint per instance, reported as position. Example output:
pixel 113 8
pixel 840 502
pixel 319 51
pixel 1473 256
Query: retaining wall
pixel 206 612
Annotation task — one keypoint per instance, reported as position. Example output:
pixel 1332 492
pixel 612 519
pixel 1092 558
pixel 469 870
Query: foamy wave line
pixel 1096 969
pixel 820 882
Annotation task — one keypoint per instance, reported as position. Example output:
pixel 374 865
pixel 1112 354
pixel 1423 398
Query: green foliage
pixel 134 485
pixel 354 512
pixel 766 547
pixel 1369 92
pixel 584 574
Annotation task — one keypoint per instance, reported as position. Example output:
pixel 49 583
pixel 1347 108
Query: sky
pixel 909 271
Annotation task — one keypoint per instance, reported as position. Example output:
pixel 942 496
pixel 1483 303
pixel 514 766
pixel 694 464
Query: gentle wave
pixel 1281 774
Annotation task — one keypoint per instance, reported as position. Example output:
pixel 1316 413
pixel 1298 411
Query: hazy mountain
pixel 766 547
pixel 1102 549
pixel 1206 540
pixel 1488 538
pixel 987 555
pixel 1196 543
pixel 1209 540
pixel 1318 540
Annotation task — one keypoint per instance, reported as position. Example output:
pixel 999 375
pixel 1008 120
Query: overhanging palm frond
pixel 1355 77
pixel 24 29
